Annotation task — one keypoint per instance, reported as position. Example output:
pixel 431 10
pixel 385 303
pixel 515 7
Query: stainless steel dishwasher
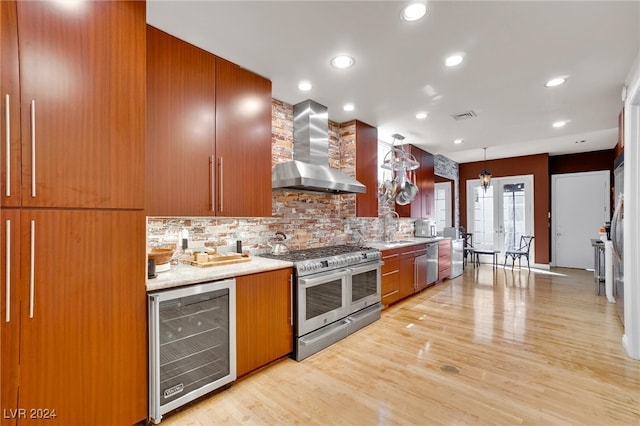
pixel 432 263
pixel 192 343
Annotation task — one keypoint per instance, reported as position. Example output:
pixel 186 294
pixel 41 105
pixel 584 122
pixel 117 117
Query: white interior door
pixel 580 206
pixel 443 205
pixel 499 216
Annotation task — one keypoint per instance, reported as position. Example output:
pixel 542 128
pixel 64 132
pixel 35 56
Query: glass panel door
pixel 499 216
pixel 443 205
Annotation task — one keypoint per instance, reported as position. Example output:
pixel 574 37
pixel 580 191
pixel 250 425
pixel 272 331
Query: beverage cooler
pixel 192 344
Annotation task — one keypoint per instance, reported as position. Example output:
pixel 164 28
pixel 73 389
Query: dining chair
pixel 520 252
pixel 468 244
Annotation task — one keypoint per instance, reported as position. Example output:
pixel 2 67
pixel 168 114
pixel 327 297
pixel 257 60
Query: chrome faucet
pixel 361 238
pixel 385 234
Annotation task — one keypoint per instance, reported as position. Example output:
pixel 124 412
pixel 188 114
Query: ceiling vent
pixel 464 115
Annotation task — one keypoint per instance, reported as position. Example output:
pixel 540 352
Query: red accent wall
pixel 536 165
pixel 582 162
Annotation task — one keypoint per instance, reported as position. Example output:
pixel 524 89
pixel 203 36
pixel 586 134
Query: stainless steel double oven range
pixel 336 292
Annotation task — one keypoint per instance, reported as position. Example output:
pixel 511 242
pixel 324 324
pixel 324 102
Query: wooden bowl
pixel 161 255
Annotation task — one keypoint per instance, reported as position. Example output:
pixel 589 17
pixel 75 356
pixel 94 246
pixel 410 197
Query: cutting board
pixel 221 259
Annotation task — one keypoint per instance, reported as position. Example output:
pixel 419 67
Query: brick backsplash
pixel 308 220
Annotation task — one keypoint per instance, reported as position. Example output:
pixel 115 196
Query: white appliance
pixel 192 343
pixel 457 258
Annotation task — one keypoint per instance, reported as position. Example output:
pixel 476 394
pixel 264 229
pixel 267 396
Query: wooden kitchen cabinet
pixel 263 319
pixel 243 142
pixel 76 115
pixel 181 107
pixel 10 106
pixel 423 204
pixel 73 339
pixel 80 346
pixel 209 133
pixel 390 282
pixel 367 169
pixel 444 259
pixel 407 271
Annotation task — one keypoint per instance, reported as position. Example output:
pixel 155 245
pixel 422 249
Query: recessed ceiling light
pixel 348 107
pixel 342 61
pixel 421 115
pixel 558 124
pixel 453 60
pixel 458 141
pixel 305 86
pixel 414 11
pixel 556 81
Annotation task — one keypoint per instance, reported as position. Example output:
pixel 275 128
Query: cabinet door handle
pixel 7 117
pixel 33 148
pixel 212 178
pixel 8 273
pixel 221 183
pixel 291 299
pixel 32 268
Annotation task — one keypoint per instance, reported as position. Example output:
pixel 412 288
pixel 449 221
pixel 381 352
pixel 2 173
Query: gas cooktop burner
pixel 327 258
pixel 318 252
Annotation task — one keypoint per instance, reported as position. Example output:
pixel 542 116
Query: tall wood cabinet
pixel 72 231
pixel 80 104
pixel 423 204
pixel 263 319
pixel 209 133
pixel 367 169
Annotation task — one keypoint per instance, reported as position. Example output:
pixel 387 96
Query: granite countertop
pixel 386 245
pixel 183 274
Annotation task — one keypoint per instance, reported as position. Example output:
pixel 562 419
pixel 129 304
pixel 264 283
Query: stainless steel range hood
pixel 309 171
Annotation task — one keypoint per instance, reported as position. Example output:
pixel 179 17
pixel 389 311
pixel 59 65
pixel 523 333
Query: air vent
pixel 464 115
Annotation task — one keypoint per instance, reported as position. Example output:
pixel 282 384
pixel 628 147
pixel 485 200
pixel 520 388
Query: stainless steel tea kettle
pixel 278 247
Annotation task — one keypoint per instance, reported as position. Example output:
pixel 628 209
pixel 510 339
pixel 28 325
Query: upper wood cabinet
pixel 79 99
pixel 208 133
pixel 243 142
pixel 367 169
pixel 181 109
pixel 423 204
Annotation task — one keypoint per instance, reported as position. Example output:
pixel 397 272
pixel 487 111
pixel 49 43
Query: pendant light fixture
pixel 485 174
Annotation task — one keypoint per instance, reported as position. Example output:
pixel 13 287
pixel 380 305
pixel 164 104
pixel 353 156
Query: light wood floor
pixel 530 348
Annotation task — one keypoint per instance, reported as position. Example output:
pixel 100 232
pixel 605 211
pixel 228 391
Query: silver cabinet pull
pixel 7 117
pixel 32 267
pixel 220 184
pixel 212 176
pixel 8 273
pixel 33 148
pixel 291 299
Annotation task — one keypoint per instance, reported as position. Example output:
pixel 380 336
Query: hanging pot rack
pixel 401 188
pixel 397 159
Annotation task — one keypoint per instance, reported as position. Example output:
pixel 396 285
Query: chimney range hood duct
pixel 309 171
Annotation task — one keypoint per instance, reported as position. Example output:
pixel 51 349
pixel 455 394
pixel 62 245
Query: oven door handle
pixel 323 278
pixel 359 269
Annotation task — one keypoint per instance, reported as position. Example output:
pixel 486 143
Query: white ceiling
pixel 511 49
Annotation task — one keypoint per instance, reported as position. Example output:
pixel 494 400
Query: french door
pixel 499 216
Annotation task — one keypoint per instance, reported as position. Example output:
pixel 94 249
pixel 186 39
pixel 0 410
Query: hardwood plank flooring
pixel 532 348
